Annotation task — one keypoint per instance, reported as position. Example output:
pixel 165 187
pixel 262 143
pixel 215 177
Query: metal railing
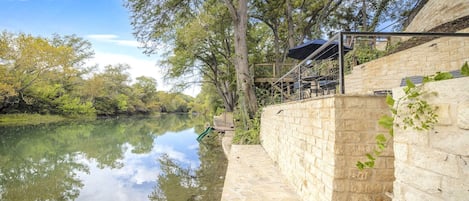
pixel 313 77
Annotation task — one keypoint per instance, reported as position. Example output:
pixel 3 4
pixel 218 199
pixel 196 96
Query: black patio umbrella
pixel 304 50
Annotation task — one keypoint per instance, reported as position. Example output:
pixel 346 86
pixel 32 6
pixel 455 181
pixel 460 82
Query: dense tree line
pixel 50 76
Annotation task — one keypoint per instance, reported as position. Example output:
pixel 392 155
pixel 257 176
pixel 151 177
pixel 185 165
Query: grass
pixel 28 119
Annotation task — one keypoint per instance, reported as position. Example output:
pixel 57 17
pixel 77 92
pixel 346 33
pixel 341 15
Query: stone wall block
pixel 384 175
pixel 412 137
pixel 420 179
pixel 401 151
pixel 463 116
pixel 348 137
pixel 413 194
pixel 444 114
pixel 361 197
pixel 436 161
pixel 359 175
pixel 457 189
pixel 450 140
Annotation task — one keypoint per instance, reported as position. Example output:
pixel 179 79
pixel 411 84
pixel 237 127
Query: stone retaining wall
pixel 316 144
pixel 444 54
pixel 438 12
pixel 434 165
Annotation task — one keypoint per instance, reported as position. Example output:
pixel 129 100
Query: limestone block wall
pixel 316 144
pixel 444 54
pixel 438 12
pixel 434 165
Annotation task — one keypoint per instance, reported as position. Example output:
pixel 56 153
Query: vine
pixel 416 114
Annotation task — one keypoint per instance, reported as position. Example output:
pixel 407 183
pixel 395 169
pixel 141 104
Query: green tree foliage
pixel 207 101
pixel 39 72
pixel 47 76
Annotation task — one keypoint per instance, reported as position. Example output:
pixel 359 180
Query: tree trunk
pixel 244 80
pixel 291 31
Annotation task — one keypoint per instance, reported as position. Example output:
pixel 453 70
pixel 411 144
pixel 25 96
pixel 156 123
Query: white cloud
pixel 102 36
pixel 111 38
pixel 138 67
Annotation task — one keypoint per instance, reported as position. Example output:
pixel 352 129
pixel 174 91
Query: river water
pixel 155 158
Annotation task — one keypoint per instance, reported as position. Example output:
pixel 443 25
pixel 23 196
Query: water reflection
pixel 125 159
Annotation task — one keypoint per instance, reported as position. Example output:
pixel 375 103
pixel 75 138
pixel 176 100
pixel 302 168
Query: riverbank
pixel 28 119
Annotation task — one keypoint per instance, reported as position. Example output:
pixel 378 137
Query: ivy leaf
pixel 381 138
pixel 427 79
pixel 389 100
pixel 370 164
pixel 370 157
pixel 386 121
pixel 465 69
pixel 409 83
pixel 443 76
pixel 360 165
pixel 414 94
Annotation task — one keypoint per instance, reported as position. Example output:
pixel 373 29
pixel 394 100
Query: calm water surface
pixel 113 159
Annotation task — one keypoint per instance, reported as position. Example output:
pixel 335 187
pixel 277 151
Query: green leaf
pixel 389 100
pixel 370 157
pixel 377 153
pixel 386 121
pixel 370 164
pixel 381 146
pixel 380 138
pixel 443 76
pixel 427 79
pixel 409 83
pixel 360 165
pixel 414 94
pixel 465 69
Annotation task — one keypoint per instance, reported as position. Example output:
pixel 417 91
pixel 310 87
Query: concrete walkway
pixel 252 176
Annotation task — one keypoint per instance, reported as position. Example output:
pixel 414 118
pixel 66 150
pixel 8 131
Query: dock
pixel 223 122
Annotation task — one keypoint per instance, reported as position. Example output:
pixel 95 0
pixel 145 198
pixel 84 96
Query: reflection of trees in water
pixel 51 178
pixel 179 181
pixel 42 162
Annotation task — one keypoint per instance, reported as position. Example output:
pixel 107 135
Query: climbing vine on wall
pixel 414 111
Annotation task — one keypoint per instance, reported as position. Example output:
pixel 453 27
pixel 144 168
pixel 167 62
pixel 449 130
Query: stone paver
pixel 252 176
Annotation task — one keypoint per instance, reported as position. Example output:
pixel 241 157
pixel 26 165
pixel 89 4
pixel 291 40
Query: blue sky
pixel 105 23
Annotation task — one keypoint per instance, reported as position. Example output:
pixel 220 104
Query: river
pixel 154 158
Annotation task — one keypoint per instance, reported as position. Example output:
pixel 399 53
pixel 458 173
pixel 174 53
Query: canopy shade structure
pixel 302 51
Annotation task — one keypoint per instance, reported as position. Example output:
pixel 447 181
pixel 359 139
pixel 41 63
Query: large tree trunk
pixel 244 80
pixel 291 29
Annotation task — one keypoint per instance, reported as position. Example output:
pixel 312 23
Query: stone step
pixel 252 176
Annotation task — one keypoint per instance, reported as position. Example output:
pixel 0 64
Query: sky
pixel 137 178
pixel 104 23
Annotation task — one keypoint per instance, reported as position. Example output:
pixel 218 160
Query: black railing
pixel 326 76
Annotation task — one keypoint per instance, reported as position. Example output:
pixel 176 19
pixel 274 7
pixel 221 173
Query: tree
pixel 204 47
pixel 239 15
pixel 158 21
pixel 39 71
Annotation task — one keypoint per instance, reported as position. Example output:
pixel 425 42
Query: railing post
pixel 274 70
pixel 341 63
pixel 281 91
pixel 299 83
